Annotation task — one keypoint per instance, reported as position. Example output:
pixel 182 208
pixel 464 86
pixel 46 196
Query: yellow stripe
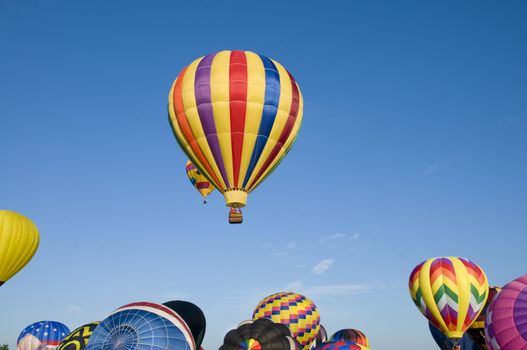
pixel 284 107
pixel 191 111
pixel 253 114
pixel 219 83
pixel 463 292
pixel 288 144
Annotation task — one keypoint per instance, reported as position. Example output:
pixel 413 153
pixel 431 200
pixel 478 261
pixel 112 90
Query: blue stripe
pixel 271 100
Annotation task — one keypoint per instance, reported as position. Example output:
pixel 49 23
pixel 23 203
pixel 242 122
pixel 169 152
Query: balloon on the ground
pixel 293 310
pixel 78 338
pixel 236 115
pixel 321 337
pixel 477 329
pixel 142 326
pixel 350 334
pixel 199 181
pixel 444 343
pixel 19 241
pixel 341 345
pixel 193 317
pixel 42 335
pixel 261 334
pixel 450 292
pixel 506 321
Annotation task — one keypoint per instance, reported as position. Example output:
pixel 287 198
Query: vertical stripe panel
pixel 270 108
pixel 237 105
pixel 219 90
pixel 254 109
pixel 202 91
pixel 193 118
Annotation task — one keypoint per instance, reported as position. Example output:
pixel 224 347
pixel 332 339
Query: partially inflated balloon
pixel 444 343
pixel 321 337
pixel 42 335
pixel 19 240
pixel 262 334
pixel 78 339
pixel 506 321
pixel 350 334
pixel 142 326
pixel 341 345
pixel 293 310
pixel 193 317
pixel 477 329
pixel 199 181
pixel 450 292
pixel 235 114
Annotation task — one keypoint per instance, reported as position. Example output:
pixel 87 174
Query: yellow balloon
pixel 19 240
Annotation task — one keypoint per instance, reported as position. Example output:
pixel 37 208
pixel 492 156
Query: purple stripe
pixel 206 115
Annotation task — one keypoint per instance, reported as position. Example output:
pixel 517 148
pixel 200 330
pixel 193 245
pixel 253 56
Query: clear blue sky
pixel 413 145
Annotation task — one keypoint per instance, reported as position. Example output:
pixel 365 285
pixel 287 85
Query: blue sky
pixel 413 146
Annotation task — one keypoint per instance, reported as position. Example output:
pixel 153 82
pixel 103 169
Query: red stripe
pixel 182 121
pixel 237 105
pixel 290 123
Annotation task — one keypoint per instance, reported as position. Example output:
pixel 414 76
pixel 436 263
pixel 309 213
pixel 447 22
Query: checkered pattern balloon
pixel 295 311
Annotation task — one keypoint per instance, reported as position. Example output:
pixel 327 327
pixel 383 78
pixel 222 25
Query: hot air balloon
pixel 450 292
pixel 477 329
pixel 193 317
pixel 199 181
pixel 235 114
pixel 78 339
pixel 42 335
pixel 293 310
pixel 352 335
pixel 321 337
pixel 19 240
pixel 444 343
pixel 262 334
pixel 142 326
pixel 235 216
pixel 506 321
pixel 341 345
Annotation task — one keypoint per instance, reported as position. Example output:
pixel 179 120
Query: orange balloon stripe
pixel 187 131
pixel 293 114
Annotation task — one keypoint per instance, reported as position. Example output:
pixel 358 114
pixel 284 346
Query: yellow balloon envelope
pixel 19 240
pixel 199 181
pixel 450 292
pixel 235 114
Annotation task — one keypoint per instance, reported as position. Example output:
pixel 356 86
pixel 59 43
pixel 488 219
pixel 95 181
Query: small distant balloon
pixel 198 180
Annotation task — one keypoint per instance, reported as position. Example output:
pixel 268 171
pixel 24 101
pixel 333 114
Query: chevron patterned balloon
pixel 293 310
pixel 450 292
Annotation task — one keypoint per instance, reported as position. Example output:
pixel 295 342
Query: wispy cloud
pixel 323 266
pixel 340 236
pixel 289 247
pixel 332 290
pixel 73 309
pixel 432 168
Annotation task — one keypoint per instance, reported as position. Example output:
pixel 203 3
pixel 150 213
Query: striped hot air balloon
pixel 199 181
pixel 235 114
pixel 350 334
pixel 450 292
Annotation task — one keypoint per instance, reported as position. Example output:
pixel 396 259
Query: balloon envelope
pixel 142 326
pixel 341 345
pixel 42 334
pixel 193 317
pixel 350 334
pixel 197 180
pixel 444 343
pixel 321 337
pixel 293 310
pixel 506 321
pixel 477 330
pixel 262 334
pixel 450 292
pixel 236 115
pixel 78 338
pixel 19 241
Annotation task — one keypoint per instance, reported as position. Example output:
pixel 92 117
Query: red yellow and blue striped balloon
pixel 199 181
pixel 235 114
pixel 450 292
